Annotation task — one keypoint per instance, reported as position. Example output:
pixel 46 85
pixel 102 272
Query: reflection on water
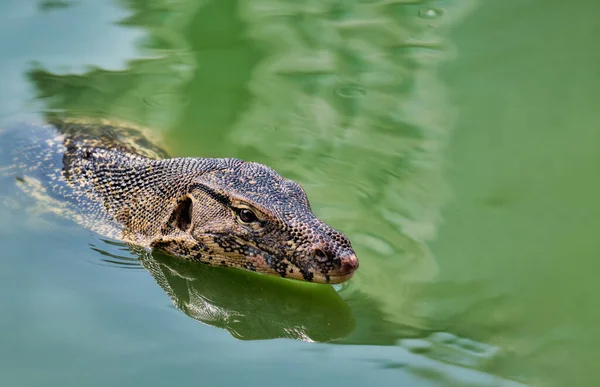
pixel 349 93
pixel 148 91
pixel 351 103
pixel 269 308
pixel 348 96
pixel 344 97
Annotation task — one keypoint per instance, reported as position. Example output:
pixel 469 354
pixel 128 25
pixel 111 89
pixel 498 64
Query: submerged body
pixel 224 212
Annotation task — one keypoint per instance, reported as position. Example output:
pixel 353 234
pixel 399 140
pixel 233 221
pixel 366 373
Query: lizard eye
pixel 246 216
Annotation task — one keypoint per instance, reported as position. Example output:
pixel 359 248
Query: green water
pixel 455 142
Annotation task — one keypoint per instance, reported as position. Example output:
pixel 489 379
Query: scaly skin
pixel 224 212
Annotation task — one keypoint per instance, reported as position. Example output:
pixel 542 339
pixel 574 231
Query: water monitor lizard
pixel 218 211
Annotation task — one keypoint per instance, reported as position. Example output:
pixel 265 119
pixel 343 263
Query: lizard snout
pixel 338 265
pixel 349 263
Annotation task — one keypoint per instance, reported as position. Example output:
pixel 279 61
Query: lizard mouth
pixel 319 278
pixel 265 262
pixel 338 279
pixel 348 266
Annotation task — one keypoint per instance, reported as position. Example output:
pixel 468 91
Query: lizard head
pixel 248 216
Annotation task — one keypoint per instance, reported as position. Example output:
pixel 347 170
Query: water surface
pixel 455 143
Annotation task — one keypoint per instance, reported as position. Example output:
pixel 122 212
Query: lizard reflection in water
pixel 248 306
pixel 218 211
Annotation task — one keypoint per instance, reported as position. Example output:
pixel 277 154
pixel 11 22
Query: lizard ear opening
pixel 181 218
